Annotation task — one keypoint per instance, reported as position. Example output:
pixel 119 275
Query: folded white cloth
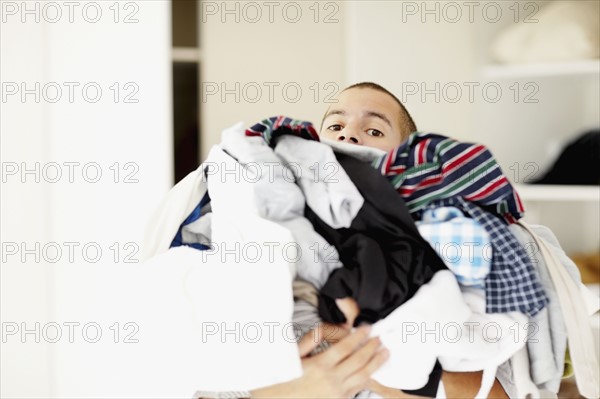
pixel 441 322
pixel 405 332
pixel 230 306
pixel 226 322
pixel 487 340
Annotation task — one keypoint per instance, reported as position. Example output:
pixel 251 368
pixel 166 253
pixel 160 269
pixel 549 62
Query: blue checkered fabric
pixel 462 243
pixel 512 284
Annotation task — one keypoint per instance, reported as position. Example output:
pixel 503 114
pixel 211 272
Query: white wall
pixel 24 288
pixel 398 45
pixel 288 49
pixel 101 213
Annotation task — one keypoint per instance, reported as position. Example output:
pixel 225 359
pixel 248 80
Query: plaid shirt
pixel 512 284
pixel 461 242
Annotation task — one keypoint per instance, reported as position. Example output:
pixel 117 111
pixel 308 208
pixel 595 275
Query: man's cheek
pixel 327 134
pixel 375 143
pixel 384 145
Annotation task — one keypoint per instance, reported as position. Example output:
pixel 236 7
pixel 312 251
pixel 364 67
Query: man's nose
pixel 348 137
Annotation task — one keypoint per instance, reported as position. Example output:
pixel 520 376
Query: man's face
pixel 366 117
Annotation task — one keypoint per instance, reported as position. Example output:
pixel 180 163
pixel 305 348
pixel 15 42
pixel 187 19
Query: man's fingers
pixel 377 361
pixel 310 341
pixel 333 333
pixel 349 308
pixel 359 359
pixel 361 378
pixel 346 346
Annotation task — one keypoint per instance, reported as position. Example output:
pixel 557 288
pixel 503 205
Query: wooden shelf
pixel 576 68
pixel 186 54
pixel 558 193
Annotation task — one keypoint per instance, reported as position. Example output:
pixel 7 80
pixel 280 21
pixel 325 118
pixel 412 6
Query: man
pixel 369 115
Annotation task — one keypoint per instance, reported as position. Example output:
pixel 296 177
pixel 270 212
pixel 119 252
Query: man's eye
pixel 374 133
pixel 335 128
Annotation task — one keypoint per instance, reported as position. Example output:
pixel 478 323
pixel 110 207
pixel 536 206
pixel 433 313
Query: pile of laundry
pixel 425 239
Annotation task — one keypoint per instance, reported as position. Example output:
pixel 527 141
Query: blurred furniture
pixel 541 109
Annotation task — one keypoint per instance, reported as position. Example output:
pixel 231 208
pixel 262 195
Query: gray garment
pixel 305 291
pixel 315 257
pixel 275 194
pixel 305 319
pixel 573 297
pixel 328 190
pixel 547 336
pixel 547 341
pixel 278 199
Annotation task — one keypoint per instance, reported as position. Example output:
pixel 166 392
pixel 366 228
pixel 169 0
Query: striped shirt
pixel 426 167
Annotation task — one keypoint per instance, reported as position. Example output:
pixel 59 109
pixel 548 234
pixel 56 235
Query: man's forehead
pixel 366 113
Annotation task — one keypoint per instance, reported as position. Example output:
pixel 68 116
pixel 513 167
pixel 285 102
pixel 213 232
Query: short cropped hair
pixel 405 117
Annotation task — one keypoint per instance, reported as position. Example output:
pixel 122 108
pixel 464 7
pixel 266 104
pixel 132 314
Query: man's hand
pixel 341 371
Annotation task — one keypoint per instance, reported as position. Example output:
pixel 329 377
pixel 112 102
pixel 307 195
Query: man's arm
pixel 466 385
pixel 457 385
